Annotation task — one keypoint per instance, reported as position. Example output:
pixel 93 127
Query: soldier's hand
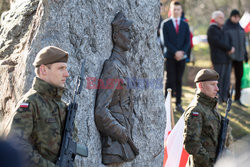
pixel 124 138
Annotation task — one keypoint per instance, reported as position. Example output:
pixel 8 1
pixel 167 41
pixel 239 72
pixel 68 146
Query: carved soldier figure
pixel 114 106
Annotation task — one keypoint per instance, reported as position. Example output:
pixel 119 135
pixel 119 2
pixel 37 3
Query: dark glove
pixel 246 59
pixel 246 56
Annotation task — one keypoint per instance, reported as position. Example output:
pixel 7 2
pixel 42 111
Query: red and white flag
pixel 245 22
pixel 174 153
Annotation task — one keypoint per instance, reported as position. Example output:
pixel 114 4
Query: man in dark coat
pixel 114 104
pixel 237 39
pixel 220 50
pixel 176 36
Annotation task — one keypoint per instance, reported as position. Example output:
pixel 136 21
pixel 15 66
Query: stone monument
pixel 82 27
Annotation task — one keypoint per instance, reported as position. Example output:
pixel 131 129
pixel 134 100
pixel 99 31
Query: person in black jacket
pixel 237 39
pixel 220 51
pixel 9 156
pixel 176 36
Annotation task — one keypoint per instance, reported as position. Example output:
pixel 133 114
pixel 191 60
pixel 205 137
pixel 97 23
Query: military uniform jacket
pixel 202 128
pixel 38 124
pixel 113 111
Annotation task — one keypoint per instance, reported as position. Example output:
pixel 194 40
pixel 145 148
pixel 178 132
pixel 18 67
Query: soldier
pixel 39 118
pixel 202 121
pixel 113 106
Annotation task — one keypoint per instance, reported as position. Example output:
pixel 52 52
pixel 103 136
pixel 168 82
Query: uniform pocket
pixel 50 126
pixel 50 120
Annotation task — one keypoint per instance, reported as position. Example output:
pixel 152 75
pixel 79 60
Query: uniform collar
pixel 120 56
pixel 47 89
pixel 208 101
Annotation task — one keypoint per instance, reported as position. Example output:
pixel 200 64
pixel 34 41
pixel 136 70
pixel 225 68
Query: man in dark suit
pixel 176 36
pixel 220 49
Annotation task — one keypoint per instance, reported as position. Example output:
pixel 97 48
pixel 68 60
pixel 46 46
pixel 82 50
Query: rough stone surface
pixel 83 28
pixel 14 30
pixel 14 26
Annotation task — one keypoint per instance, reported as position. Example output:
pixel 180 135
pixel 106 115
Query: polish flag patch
pixel 195 113
pixel 24 105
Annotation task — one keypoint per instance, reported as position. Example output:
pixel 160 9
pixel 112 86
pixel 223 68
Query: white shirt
pixel 174 22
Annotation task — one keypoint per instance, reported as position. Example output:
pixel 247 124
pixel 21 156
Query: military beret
pixel 206 75
pixel 50 55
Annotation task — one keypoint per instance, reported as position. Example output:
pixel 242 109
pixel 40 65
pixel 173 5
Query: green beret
pixel 206 75
pixel 50 55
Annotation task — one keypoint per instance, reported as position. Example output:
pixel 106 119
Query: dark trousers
pixel 224 71
pixel 238 73
pixel 175 70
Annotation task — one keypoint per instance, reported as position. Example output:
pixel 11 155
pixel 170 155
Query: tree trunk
pixel 4 5
pixel 240 7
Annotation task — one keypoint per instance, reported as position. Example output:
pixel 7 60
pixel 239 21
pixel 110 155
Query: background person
pixel 237 39
pixel 176 36
pixel 219 51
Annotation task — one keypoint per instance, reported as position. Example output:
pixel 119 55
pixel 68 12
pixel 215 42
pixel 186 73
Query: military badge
pixel 24 105
pixel 195 113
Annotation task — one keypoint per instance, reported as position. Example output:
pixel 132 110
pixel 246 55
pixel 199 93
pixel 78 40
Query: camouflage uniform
pixel 202 128
pixel 39 125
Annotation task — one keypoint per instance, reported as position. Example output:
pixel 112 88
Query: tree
pixel 4 5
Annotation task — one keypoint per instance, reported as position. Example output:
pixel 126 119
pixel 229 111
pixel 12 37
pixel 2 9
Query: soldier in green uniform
pixel 39 119
pixel 202 121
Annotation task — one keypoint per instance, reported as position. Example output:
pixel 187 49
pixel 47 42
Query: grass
pixel 201 55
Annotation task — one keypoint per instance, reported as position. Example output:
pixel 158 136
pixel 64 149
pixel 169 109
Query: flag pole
pixel 171 109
